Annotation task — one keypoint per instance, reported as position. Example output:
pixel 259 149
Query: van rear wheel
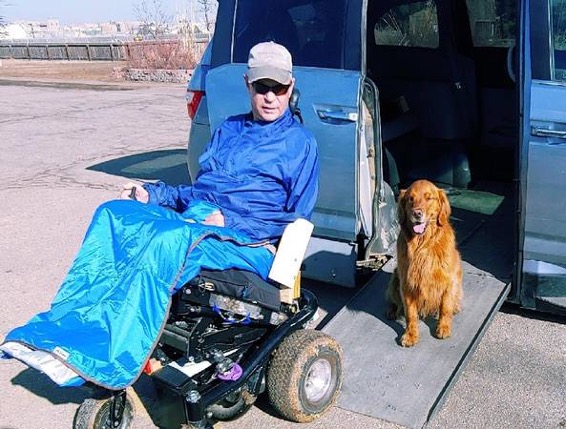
pixel 305 375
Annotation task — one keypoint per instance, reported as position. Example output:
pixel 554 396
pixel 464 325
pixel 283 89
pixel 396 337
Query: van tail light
pixel 193 100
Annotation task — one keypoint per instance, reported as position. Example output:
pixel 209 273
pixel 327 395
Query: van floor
pixel 406 385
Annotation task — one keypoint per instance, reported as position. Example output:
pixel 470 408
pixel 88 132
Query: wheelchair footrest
pixel 174 379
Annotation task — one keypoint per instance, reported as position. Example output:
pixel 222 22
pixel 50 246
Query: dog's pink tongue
pixel 419 228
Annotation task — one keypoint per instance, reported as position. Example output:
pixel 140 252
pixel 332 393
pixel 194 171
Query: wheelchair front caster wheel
pixel 96 414
pixel 305 375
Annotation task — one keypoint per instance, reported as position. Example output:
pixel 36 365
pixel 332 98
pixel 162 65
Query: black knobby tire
pixel 232 407
pixel 305 375
pixel 93 414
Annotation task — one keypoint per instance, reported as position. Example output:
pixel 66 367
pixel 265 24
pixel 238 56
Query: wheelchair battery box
pixel 239 284
pixel 234 296
pixel 234 291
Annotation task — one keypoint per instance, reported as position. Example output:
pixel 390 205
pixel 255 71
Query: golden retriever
pixel 428 277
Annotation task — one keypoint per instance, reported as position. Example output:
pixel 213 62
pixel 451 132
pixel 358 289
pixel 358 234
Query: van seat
pixel 438 89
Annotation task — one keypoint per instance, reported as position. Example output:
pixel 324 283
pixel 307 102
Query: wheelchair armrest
pixel 290 252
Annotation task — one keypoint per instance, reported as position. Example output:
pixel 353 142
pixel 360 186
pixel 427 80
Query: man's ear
pixel 249 87
pixel 248 84
pixel 291 86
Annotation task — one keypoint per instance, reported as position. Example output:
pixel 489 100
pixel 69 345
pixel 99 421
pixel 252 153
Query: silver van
pixel 469 94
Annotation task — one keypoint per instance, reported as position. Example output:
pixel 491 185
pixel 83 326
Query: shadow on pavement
pixel 169 166
pixel 512 308
pixel 42 386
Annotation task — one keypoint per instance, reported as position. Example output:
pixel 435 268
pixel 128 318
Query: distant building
pixel 52 26
pixel 32 29
pixel 14 31
pixel 122 30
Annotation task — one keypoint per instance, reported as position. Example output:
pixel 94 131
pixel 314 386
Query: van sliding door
pixel 543 280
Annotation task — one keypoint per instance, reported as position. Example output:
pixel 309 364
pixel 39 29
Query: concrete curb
pixel 68 84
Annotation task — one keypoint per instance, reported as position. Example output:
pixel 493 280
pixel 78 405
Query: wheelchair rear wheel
pixel 305 375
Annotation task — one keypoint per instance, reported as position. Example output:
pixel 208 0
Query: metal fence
pixel 87 51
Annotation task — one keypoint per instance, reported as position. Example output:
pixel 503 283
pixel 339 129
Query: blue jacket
pixel 262 175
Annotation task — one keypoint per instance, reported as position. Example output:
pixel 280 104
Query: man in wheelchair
pixel 149 282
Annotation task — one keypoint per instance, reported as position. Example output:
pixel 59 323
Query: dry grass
pixel 167 55
pixel 105 71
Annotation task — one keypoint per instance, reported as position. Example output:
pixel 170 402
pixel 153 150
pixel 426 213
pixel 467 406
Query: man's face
pixel 269 98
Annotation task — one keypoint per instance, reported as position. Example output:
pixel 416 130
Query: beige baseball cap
pixel 269 60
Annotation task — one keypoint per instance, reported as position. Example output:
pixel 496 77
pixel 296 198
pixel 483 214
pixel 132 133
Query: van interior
pixel 448 104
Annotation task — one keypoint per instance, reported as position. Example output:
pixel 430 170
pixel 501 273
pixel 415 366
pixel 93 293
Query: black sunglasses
pixel 262 88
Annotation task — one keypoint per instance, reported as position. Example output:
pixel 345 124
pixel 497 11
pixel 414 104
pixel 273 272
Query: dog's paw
pixel 409 339
pixel 443 331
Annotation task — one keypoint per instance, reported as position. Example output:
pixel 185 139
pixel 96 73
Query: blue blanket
pixel 111 308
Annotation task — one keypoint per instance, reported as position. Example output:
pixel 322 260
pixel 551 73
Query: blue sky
pixel 80 11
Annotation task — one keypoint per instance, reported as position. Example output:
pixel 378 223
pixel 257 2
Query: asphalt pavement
pixel 66 148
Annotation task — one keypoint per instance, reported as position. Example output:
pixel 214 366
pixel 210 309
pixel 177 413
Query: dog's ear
pixel 401 206
pixel 445 211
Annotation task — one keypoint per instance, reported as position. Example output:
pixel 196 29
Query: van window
pixel 559 38
pixel 414 24
pixel 312 30
pixel 493 22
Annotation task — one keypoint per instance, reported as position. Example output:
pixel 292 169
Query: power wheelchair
pixel 230 336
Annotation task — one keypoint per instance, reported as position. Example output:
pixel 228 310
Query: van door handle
pixel 547 132
pixel 337 115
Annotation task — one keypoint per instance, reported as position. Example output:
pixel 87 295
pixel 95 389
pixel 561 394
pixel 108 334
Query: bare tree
pixel 208 9
pixel 2 23
pixel 155 22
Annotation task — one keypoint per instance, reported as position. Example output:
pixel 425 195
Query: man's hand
pixel 216 219
pixel 134 191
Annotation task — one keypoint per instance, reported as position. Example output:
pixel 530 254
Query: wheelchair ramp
pixel 406 385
